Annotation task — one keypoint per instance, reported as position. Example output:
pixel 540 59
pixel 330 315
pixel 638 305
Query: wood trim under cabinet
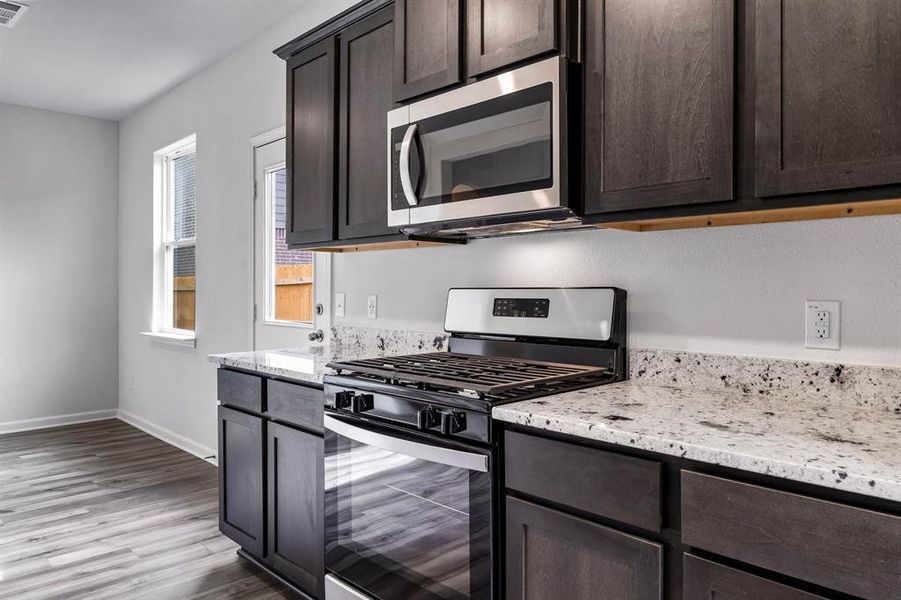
pixel 866 208
pixel 390 245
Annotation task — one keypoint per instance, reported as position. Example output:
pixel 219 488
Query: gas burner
pixel 476 375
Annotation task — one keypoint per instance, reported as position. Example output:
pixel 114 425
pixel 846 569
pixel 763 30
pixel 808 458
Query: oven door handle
pixel 405 180
pixel 470 461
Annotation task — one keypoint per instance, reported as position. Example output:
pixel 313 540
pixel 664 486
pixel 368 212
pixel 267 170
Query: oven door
pixel 488 149
pixel 406 516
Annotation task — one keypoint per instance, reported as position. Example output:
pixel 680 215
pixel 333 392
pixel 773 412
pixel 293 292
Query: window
pixel 175 281
pixel 289 285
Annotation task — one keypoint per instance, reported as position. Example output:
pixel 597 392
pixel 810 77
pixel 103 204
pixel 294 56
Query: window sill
pixel 176 339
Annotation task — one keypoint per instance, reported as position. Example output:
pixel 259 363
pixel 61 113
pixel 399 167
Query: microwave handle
pixel 436 454
pixel 405 181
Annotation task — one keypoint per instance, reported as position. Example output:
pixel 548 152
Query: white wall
pixel 734 290
pixel 58 293
pixel 165 388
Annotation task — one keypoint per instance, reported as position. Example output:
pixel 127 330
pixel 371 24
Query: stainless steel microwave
pixel 484 156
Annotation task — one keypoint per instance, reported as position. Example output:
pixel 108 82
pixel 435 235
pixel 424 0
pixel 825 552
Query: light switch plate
pixel 372 306
pixel 822 324
pixel 339 304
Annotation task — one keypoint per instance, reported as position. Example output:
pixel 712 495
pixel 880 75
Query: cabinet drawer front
pixel 607 484
pixel 240 390
pixel 550 554
pixel 296 404
pixel 703 580
pixel 848 549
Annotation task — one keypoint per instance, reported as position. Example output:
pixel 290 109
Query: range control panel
pixel 535 308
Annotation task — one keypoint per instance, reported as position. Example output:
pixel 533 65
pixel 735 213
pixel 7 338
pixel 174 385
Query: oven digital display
pixel 535 308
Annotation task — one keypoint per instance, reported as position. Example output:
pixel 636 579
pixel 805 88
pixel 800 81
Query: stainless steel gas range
pixel 411 453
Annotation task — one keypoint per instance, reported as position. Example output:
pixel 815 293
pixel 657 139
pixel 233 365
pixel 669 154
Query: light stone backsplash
pixel 833 383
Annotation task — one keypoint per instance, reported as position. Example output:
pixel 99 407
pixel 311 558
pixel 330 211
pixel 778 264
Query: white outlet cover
pixel 372 306
pixel 833 324
pixel 339 305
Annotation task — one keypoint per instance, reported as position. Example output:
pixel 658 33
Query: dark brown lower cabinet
pixel 706 580
pixel 241 439
pixel 550 554
pixel 833 545
pixel 271 476
pixel 296 537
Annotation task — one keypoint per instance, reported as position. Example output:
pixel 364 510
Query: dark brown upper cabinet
pixel 658 103
pixel 426 46
pixel 828 95
pixel 310 148
pixel 367 59
pixel 502 32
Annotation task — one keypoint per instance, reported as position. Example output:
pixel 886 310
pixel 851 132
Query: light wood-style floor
pixel 105 511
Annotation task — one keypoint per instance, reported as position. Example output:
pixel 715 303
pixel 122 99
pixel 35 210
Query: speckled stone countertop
pixel 300 364
pixel 840 446
pixel 309 364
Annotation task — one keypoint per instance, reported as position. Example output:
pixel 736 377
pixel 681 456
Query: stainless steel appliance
pixel 486 158
pixel 410 449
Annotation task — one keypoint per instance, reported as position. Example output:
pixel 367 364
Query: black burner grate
pixel 487 375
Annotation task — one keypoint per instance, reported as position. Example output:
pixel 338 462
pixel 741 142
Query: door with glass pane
pixel 285 295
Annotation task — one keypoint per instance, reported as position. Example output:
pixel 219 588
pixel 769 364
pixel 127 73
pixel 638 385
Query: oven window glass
pixel 403 527
pixel 501 146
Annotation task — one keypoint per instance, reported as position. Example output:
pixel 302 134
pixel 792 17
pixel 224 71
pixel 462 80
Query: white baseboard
pixel 168 436
pixel 58 421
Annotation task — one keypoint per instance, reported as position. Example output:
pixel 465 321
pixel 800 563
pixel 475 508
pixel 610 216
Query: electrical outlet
pixel 131 384
pixel 822 324
pixel 372 306
pixel 339 304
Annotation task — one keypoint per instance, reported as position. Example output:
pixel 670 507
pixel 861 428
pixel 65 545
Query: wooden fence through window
pixel 293 296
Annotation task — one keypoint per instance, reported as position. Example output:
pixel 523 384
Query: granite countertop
pixel 300 364
pixel 845 447
pixel 309 364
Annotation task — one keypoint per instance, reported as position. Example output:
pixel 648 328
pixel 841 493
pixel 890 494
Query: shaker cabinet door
pixel 241 438
pixel 426 46
pixel 296 535
pixel 828 85
pixel 502 32
pixel 311 144
pixel 550 554
pixel 367 59
pixel 658 103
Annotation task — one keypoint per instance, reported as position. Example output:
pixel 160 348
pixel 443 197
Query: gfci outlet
pixel 372 306
pixel 822 324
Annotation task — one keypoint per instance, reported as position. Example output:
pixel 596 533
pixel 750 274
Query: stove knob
pixel 452 422
pixel 361 403
pixel 344 399
pixel 427 418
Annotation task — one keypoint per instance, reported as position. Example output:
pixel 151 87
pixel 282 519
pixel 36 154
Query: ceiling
pixel 106 58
